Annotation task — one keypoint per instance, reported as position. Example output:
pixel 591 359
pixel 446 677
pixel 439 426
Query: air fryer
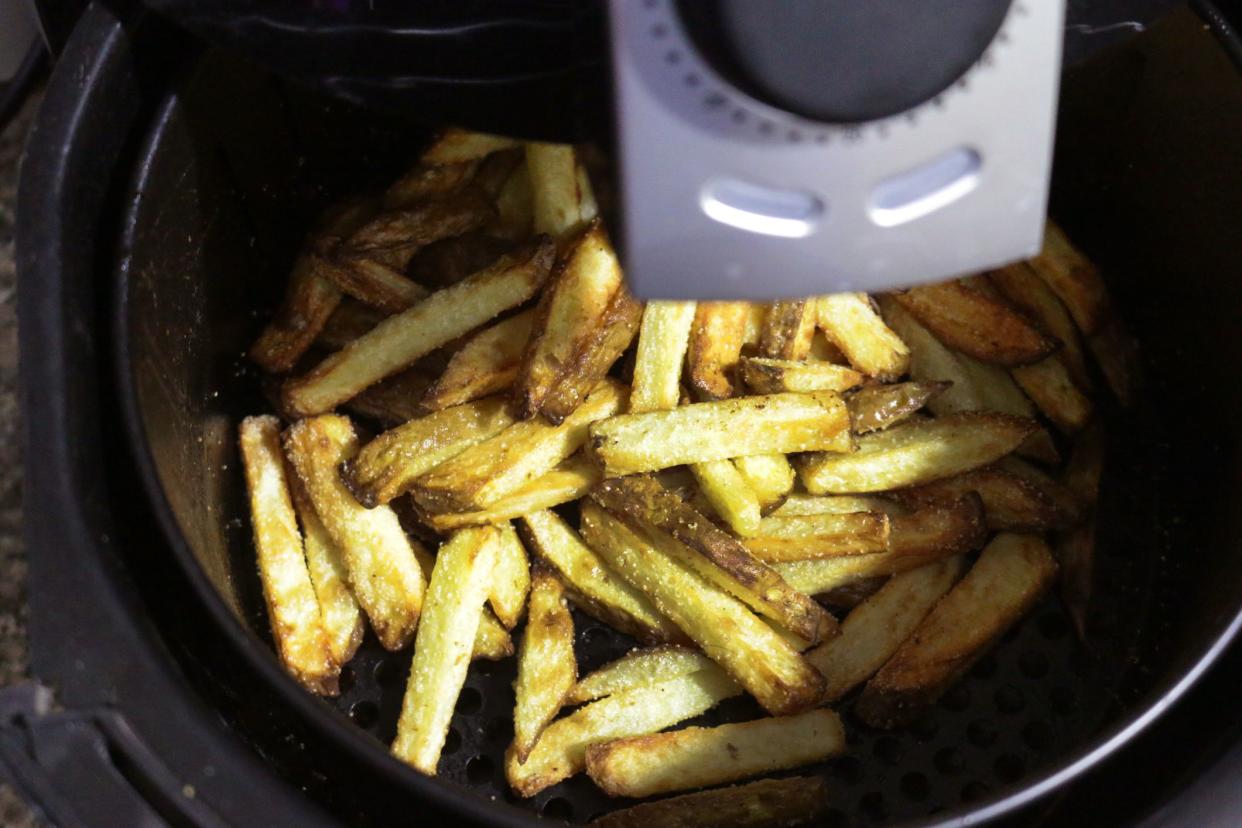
pixel 159 219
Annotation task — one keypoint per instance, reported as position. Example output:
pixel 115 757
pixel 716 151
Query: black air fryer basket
pixel 166 190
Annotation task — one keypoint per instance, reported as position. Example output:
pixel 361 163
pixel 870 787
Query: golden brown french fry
pixel 767 803
pixel 384 575
pixel 772 376
pixel 770 476
pixel 546 666
pixel 802 504
pixel 1020 285
pixel 1073 278
pixel 873 631
pixel 819 536
pixel 757 656
pixel 917 452
pixel 510 577
pixel 788 328
pixel 756 312
pixel 1011 501
pixel 301 638
pixel 455 146
pixel 602 592
pixel 374 283
pixel 638 668
pixel 729 494
pixel 561 198
pixel 570 307
pixel 400 340
pixel 487 472
pixel 880 406
pixel 446 634
pixel 716 338
pixel 1049 384
pixel 769 424
pixel 388 465
pixel 425 181
pixel 647 506
pixel 486 364
pixel 350 320
pixel 492 641
pixel 561 750
pixel 393 401
pixel 393 237
pixel 850 322
pixel 1011 574
pixel 1056 491
pixel 595 355
pixel 342 617
pixel 663 339
pixel 448 261
pixel 571 480
pixel 696 757
pixel 977 325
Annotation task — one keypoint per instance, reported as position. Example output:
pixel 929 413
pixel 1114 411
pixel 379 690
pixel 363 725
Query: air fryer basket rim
pixel 341 732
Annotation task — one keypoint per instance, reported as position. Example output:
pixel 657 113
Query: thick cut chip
pixel 492 641
pixel 342 617
pixel 1116 353
pixel 1028 293
pixel 721 558
pixel 454 146
pixel 772 376
pixel 496 468
pixel 561 750
pixel 393 401
pixel 393 237
pixel 388 465
pixel 716 339
pixel 638 668
pixel 769 424
pixel 569 481
pixel 1053 390
pixel 374 283
pixel 1011 574
pixel 819 536
pixel 1073 278
pixel 802 504
pixel 516 205
pixel 572 305
pixel 877 407
pixel 425 181
pixel 663 339
pixel 446 635
pixel 596 354
pixel 697 757
pixel 383 572
pixel 768 803
pixel 546 666
pixel 510 578
pixel 873 631
pixel 400 340
pixel 562 198
pixel 601 591
pixel 788 328
pixel 729 495
pixel 752 652
pixel 1011 501
pixel 770 476
pixel 486 364
pixel 850 322
pixel 917 452
pixel 302 640
pixel 977 325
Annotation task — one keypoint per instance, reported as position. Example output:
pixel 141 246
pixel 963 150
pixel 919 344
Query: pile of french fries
pixel 833 499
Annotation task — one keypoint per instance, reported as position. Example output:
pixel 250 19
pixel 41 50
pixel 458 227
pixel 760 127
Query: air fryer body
pixel 158 222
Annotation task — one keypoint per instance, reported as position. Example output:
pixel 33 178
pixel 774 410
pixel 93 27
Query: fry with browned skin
pixel 1011 501
pixel 596 354
pixel 716 338
pixel 788 329
pixel 1021 285
pixel 393 237
pixel 768 803
pixel 850 322
pixel 427 181
pixel 393 401
pixel 546 666
pixel 448 261
pixel 772 376
pixel 879 406
pixel 977 325
pixel 486 364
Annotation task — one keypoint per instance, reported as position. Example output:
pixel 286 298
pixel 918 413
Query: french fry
pixel 1073 278
pixel 638 668
pixel 716 338
pixel 772 376
pixel 756 312
pixel 449 260
pixel 697 757
pixel 1067 503
pixel 546 666
pixel 767 803
pixel 491 641
pixel 917 452
pixel 595 355
pixel 645 505
pixel 569 481
pixel 486 364
pixel 426 181
pixel 384 575
pixel 802 504
pixel 788 329
pixel 729 495
pixel 850 322
pixel 561 198
pixel 751 651
pixel 1116 353
pixel 350 320
pixel 977 325
pixel 374 283
pixel 338 608
pixel 770 476
pixel 393 237
pixel 561 750
pixel 819 536
pixel 510 578
pixel 1028 293
pixel 496 170
pixel 1011 574
pixel 400 340
pixel 516 205
pixel 874 630
pixel 769 424
pixel 301 638
pixel 572 304
pixel 393 401
pixel 1011 501
pixel 455 146
pixel 603 593
pixel 488 471
pixel 877 407
pixel 848 596
pixel 663 339
pixel 1050 385
pixel 446 635
pixel 388 465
